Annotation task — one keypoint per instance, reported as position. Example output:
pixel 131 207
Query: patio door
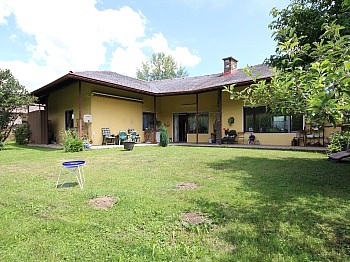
pixel 69 119
pixel 180 127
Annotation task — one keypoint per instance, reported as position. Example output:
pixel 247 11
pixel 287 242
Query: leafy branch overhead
pixel 320 90
pixel 306 17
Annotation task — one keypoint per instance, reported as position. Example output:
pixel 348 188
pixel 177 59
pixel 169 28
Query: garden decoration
pixel 231 120
pixel 76 168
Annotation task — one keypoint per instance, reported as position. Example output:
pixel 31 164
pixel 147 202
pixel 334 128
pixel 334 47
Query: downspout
pixel 155 119
pixel 79 110
pixel 197 118
pixel 219 118
pixel 45 122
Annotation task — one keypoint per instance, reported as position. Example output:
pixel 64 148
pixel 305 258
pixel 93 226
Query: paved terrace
pixel 292 148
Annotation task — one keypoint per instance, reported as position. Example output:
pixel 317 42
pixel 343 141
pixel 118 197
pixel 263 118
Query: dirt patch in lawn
pixel 193 218
pixel 103 202
pixel 186 186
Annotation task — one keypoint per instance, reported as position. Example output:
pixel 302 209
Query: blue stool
pixel 76 168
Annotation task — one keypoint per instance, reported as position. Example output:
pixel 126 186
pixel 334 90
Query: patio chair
pixel 133 136
pixel 122 136
pixel 240 136
pixel 108 139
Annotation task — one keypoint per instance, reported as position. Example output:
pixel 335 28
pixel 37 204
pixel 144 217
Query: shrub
pixel 22 134
pixel 230 138
pixel 164 137
pixel 232 133
pixel 2 145
pixel 338 142
pixel 72 142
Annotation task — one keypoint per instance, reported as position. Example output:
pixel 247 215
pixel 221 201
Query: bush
pixel 2 145
pixel 232 133
pixel 338 142
pixel 22 134
pixel 164 137
pixel 72 142
pixel 230 138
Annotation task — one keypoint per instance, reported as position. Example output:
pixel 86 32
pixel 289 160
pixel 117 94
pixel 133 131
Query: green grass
pixel 261 205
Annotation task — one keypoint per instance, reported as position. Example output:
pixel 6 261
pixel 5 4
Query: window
pixel 203 123
pixel 147 121
pixel 257 120
pixel 69 119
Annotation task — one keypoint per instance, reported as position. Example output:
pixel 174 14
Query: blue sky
pixel 41 40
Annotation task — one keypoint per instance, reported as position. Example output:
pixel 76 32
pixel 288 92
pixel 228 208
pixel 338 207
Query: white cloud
pixel 126 61
pixel 182 55
pixel 74 35
pixel 30 74
pixel 5 11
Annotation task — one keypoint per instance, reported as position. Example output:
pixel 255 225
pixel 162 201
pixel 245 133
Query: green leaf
pixel 347 65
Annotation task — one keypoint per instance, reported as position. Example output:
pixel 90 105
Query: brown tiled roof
pixel 160 87
pixel 209 82
pixel 115 78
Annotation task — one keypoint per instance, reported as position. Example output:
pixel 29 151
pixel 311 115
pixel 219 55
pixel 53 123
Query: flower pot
pixel 128 145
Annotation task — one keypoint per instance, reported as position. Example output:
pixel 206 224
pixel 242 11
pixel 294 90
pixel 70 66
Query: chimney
pixel 230 64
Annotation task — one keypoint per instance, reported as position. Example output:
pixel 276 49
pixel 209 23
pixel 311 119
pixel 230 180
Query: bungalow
pixel 193 109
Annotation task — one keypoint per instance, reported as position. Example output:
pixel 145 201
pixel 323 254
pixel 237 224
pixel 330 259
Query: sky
pixel 42 40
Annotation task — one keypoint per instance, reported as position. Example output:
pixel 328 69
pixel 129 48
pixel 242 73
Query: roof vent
pixel 230 65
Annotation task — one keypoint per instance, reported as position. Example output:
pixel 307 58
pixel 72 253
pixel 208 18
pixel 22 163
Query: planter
pixel 150 136
pixel 128 145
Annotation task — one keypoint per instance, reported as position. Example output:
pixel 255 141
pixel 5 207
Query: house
pixel 192 108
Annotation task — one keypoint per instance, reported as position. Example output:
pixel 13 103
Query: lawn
pixel 245 205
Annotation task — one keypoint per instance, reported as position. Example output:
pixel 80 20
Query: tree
pixel 14 98
pixel 321 90
pixel 160 67
pixel 307 18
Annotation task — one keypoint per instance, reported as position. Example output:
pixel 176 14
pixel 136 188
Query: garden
pixel 174 204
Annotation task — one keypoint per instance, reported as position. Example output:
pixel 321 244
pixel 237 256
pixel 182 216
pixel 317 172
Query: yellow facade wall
pixel 116 114
pixel 232 108
pixel 63 99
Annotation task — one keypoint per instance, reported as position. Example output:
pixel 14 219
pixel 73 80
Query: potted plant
pixel 150 135
pixel 128 144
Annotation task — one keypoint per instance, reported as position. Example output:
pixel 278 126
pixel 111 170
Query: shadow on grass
pixel 67 184
pixel 297 208
pixel 14 146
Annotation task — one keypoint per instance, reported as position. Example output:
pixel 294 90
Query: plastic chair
pixel 133 136
pixel 122 136
pixel 75 168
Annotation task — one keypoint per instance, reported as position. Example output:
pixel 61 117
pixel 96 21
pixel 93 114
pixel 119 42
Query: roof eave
pixel 71 76
pixel 209 89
